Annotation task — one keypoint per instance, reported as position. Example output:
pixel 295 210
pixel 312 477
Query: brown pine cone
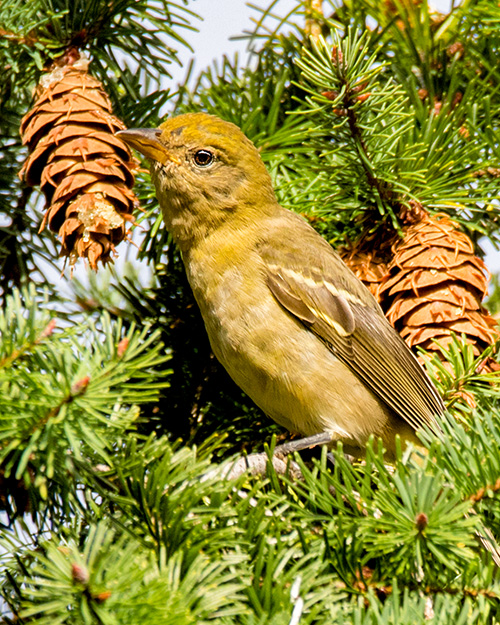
pixel 84 171
pixel 435 287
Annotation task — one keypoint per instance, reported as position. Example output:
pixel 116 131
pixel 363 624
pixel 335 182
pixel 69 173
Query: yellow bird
pixel 291 324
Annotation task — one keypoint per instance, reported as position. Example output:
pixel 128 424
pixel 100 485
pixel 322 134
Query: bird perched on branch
pixel 292 325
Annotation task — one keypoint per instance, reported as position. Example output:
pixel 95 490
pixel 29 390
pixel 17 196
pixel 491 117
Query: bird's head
pixel 205 171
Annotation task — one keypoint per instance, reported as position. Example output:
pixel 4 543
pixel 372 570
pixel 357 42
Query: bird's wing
pixel 342 313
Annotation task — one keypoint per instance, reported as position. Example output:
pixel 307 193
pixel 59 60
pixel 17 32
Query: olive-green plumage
pixel 293 326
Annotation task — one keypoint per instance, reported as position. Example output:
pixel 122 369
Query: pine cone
pixel 369 257
pixel 435 287
pixel 83 170
pixel 367 266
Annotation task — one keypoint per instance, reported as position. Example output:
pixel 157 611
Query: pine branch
pixel 68 393
pixel 368 119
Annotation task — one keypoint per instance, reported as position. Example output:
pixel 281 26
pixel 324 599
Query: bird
pixel 292 325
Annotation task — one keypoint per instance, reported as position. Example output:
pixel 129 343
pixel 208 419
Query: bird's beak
pixel 147 142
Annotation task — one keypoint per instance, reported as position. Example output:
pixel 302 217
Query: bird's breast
pixel 287 371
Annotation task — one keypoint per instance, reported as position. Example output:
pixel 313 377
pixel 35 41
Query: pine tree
pixel 119 431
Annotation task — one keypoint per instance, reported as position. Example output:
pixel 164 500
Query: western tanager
pixel 292 325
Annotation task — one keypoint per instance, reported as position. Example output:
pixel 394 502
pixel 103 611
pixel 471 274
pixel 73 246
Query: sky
pixel 223 19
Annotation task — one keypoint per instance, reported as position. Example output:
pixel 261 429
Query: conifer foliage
pixel 119 432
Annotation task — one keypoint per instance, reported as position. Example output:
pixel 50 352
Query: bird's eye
pixel 203 158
